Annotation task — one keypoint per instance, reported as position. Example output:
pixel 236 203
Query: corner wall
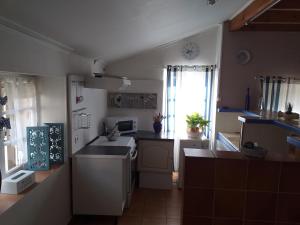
pixel 273 54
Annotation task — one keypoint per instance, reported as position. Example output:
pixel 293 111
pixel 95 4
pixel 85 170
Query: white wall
pixel 273 54
pixel 137 86
pixel 147 69
pixel 52 103
pixel 149 64
pixel 50 202
pixel 52 99
pixel 23 54
pixel 47 204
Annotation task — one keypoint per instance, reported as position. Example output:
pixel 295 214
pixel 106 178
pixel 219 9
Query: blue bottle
pixel 247 100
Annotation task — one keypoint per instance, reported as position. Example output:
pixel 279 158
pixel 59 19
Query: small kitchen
pixel 124 158
pixel 199 128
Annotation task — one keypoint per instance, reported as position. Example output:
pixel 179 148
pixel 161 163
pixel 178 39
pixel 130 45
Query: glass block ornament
pixel 56 143
pixel 38 147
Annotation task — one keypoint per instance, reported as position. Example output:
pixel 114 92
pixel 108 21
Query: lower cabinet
pixel 100 185
pixel 155 163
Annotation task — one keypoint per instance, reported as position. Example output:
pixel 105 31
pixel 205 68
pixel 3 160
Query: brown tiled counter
pixel 226 188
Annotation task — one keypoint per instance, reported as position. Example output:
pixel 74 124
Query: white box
pixel 18 182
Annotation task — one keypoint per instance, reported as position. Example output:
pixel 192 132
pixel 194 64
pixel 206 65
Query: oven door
pixel 133 169
pixel 133 175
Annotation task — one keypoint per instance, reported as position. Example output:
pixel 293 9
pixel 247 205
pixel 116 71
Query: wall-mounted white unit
pixel 87 110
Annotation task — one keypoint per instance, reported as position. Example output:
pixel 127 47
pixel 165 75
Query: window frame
pixel 13 114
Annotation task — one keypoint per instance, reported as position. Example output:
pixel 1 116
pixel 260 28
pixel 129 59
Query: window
pixel 21 110
pixel 186 90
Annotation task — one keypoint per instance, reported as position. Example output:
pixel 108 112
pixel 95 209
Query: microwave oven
pixel 125 124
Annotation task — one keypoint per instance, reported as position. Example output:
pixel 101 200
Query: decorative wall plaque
pixel 56 143
pixel 132 100
pixel 38 147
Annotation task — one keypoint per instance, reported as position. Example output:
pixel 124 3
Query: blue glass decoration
pixel 3 100
pixel 56 143
pixel 38 147
pixel 4 122
pixel 157 126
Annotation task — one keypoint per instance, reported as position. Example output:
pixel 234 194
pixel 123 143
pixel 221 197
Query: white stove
pixel 127 142
pixel 121 141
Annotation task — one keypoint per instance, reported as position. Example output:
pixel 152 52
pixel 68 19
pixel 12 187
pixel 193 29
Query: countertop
pixel 272 118
pixel 150 135
pixel 200 153
pixel 294 140
pixel 230 139
pixel 94 151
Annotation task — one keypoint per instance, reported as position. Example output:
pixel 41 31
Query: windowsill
pixel 8 200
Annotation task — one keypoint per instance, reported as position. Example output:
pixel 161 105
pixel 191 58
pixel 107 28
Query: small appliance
pixel 125 124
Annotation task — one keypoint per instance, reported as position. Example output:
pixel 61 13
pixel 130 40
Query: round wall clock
pixel 243 57
pixel 190 50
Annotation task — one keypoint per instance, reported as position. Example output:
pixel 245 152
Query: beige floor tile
pixel 154 221
pixel 135 209
pixel 130 220
pixel 137 200
pixel 173 221
pixel 174 202
pixel 140 193
pixel 155 212
pixel 174 193
pixel 155 194
pixel 174 212
pixel 159 203
pixel 154 207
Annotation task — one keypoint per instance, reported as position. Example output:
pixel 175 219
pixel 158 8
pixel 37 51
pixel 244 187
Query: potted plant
pixel 195 124
pixel 157 126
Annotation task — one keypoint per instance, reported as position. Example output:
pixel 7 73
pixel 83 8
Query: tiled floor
pixel 148 207
pixel 153 207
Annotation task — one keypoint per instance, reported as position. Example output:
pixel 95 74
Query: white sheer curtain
pixel 187 94
pixel 190 90
pixel 22 111
pixel 290 93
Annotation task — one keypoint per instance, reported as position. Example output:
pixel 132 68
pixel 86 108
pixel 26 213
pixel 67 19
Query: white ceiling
pixel 113 29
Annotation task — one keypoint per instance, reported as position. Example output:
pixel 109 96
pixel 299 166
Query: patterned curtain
pixel 170 99
pixel 277 92
pixel 271 89
pixel 209 76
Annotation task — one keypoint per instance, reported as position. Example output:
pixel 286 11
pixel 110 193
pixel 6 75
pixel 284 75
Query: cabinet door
pixel 155 156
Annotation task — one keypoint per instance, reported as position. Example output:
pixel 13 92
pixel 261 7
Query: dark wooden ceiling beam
pixel 272 27
pixel 279 17
pixel 250 12
pixel 287 5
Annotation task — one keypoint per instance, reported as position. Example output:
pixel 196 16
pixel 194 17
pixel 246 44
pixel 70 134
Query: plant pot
pixel 157 126
pixel 194 132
